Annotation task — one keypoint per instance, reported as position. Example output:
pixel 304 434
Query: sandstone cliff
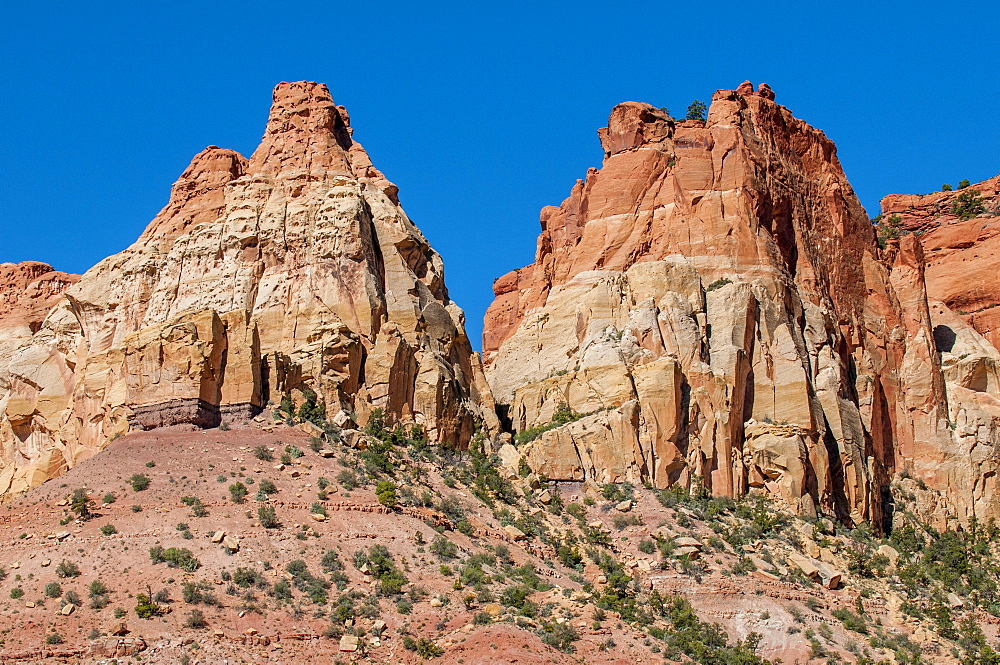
pixel 714 300
pixel 293 269
pixel 960 232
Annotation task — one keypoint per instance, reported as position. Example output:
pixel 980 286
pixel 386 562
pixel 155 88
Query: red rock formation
pixel 28 291
pixel 963 255
pixel 714 298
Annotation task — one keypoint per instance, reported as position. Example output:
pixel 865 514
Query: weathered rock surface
pixel 261 277
pixel 963 255
pixel 714 299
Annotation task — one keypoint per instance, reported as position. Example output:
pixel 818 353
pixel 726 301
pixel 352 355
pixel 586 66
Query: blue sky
pixel 481 114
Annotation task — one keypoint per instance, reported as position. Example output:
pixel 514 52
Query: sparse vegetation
pixel 968 204
pixel 175 558
pixel 238 492
pixel 268 517
pixel 139 482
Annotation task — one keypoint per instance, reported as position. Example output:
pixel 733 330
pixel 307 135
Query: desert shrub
pixel 968 204
pixel 139 482
pixel 67 569
pixel 718 284
pixel 248 577
pixel 195 619
pixel 16 593
pixel 647 546
pixel 888 228
pixel 54 638
pixel 312 410
pixel 422 646
pixel 53 590
pixel 109 529
pixel 443 548
pixel 294 452
pixel 263 453
pixel 80 504
pixel 175 558
pixel 267 487
pixel 559 635
pixel 347 479
pixel 109 498
pixel 268 517
pixel 381 566
pixel 145 608
pixel 851 620
pixel 238 492
pixel 194 593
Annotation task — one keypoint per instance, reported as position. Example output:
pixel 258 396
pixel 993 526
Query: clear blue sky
pixel 481 112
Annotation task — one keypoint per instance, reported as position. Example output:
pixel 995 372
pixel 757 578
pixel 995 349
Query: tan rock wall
pixel 293 269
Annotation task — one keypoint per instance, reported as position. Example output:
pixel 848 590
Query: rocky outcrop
pixel 294 269
pixel 960 232
pixel 28 291
pixel 714 299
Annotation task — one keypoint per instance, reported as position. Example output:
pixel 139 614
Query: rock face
pixel 714 300
pixel 294 269
pixel 28 291
pixel 963 250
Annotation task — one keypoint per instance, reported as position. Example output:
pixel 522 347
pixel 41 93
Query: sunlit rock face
pixel 713 296
pixel 296 268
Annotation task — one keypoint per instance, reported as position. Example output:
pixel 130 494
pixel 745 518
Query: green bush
pixel 263 453
pixel 968 204
pixel 382 568
pixel 175 558
pixel 238 492
pixel 424 647
pixel 718 284
pixel 851 620
pixel 443 548
pixel 145 608
pixel 54 638
pixel 560 636
pixel 16 593
pixel 53 590
pixel 109 529
pixel 195 619
pixel 67 569
pixel 385 491
pixel 139 482
pixel 268 517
